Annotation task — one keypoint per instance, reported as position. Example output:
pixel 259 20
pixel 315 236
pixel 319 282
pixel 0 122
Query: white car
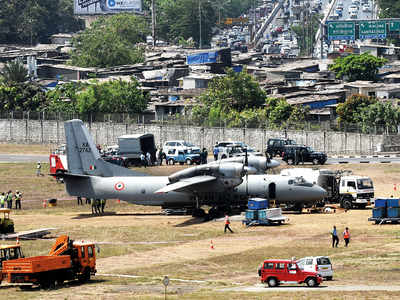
pixel 320 264
pixel 180 145
pixel 366 8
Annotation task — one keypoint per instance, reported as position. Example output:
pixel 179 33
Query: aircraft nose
pixel 273 163
pixel 319 192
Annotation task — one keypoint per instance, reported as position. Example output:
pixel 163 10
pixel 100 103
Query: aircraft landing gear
pixel 198 213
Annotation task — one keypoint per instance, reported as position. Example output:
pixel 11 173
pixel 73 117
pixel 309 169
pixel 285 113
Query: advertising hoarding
pixel 96 7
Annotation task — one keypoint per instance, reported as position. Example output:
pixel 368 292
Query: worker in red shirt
pixel 346 236
pixel 227 223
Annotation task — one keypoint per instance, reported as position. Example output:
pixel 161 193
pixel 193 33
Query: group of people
pixel 335 237
pixel 7 199
pixel 98 205
pixel 146 159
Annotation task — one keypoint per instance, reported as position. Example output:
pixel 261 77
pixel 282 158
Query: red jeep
pixel 277 271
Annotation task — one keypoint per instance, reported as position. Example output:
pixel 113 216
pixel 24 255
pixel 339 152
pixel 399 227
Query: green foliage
pixel 379 114
pixel 111 41
pixel 14 72
pixel 21 96
pixel 350 110
pixel 114 96
pixel 236 100
pixel 64 98
pixel 32 21
pixel 235 91
pixel 357 67
pixel 306 33
pixel 389 8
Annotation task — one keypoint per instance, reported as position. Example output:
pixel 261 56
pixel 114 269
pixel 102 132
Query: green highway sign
pixel 341 30
pixel 372 29
pixel 394 26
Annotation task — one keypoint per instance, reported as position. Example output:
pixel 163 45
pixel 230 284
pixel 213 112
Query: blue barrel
pixel 251 214
pixel 393 202
pixel 257 203
pixel 379 212
pixel 393 212
pixel 380 202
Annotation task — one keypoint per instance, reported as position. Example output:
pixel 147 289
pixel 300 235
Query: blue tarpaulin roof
pixel 202 58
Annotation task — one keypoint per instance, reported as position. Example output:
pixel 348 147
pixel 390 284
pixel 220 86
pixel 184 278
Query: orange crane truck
pixel 67 260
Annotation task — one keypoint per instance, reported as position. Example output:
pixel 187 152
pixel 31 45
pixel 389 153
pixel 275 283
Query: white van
pixel 180 145
pixel 320 264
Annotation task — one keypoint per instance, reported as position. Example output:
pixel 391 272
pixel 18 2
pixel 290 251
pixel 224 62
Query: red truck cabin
pixel 275 272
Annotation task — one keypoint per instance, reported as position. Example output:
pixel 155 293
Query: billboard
pixel 97 7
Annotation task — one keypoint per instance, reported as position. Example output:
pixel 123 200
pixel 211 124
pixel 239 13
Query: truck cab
pixel 8 252
pixel 275 272
pixel 356 191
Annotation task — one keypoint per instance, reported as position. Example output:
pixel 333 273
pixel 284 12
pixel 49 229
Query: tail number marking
pixel 119 186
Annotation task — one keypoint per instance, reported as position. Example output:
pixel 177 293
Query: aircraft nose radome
pixel 319 192
pixel 273 163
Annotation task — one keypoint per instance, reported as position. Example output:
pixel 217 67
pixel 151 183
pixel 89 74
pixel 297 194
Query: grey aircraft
pixel 222 186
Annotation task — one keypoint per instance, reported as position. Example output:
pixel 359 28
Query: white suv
pixel 320 264
pixel 180 145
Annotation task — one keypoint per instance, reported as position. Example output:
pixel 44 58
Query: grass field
pixel 139 241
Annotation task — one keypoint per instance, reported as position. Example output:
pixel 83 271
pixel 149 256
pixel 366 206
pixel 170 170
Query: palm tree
pixel 14 72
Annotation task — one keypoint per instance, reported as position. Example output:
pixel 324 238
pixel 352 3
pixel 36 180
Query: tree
pixel 32 21
pixel 14 72
pixel 111 41
pixel 379 114
pixel 350 110
pixel 357 67
pixel 278 111
pixel 21 97
pixel 115 96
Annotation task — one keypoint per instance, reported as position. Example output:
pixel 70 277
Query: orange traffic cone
pixel 211 245
pixel 44 203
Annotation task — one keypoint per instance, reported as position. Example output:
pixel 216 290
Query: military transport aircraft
pixel 222 186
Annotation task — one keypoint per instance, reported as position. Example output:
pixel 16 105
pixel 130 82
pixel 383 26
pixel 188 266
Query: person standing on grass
pixel 87 201
pixel 227 223
pixel 79 199
pixel 335 238
pixel 18 198
pixel 38 169
pixel 346 236
pixel 103 204
pixel 9 199
pixel 94 207
pixel 2 200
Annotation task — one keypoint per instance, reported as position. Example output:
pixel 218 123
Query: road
pixel 23 158
pixel 324 288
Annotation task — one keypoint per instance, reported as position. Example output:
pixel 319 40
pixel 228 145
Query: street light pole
pixel 153 21
pixel 200 42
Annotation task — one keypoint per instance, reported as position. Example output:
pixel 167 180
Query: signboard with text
pixel 341 30
pixel 96 7
pixel 372 29
pixel 394 26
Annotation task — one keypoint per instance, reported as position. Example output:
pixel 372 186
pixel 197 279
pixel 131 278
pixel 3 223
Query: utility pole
pixel 153 21
pixel 200 41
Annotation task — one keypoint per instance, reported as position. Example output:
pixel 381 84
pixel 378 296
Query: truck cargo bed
pixel 36 264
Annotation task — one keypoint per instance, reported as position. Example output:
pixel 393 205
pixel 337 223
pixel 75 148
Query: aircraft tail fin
pixel 84 158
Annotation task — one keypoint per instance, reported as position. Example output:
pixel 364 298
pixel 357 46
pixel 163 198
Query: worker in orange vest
pixel 346 236
pixel 227 223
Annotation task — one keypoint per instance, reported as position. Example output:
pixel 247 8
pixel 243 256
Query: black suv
pixel 276 146
pixel 295 154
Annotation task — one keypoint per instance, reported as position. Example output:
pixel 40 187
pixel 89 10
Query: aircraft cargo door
pixel 271 191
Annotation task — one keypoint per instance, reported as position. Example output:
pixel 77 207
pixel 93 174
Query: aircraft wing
pixel 185 184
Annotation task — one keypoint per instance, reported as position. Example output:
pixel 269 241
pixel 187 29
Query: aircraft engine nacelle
pixel 231 170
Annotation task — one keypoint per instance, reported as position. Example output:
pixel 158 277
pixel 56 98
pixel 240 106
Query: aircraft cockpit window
pixel 302 182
